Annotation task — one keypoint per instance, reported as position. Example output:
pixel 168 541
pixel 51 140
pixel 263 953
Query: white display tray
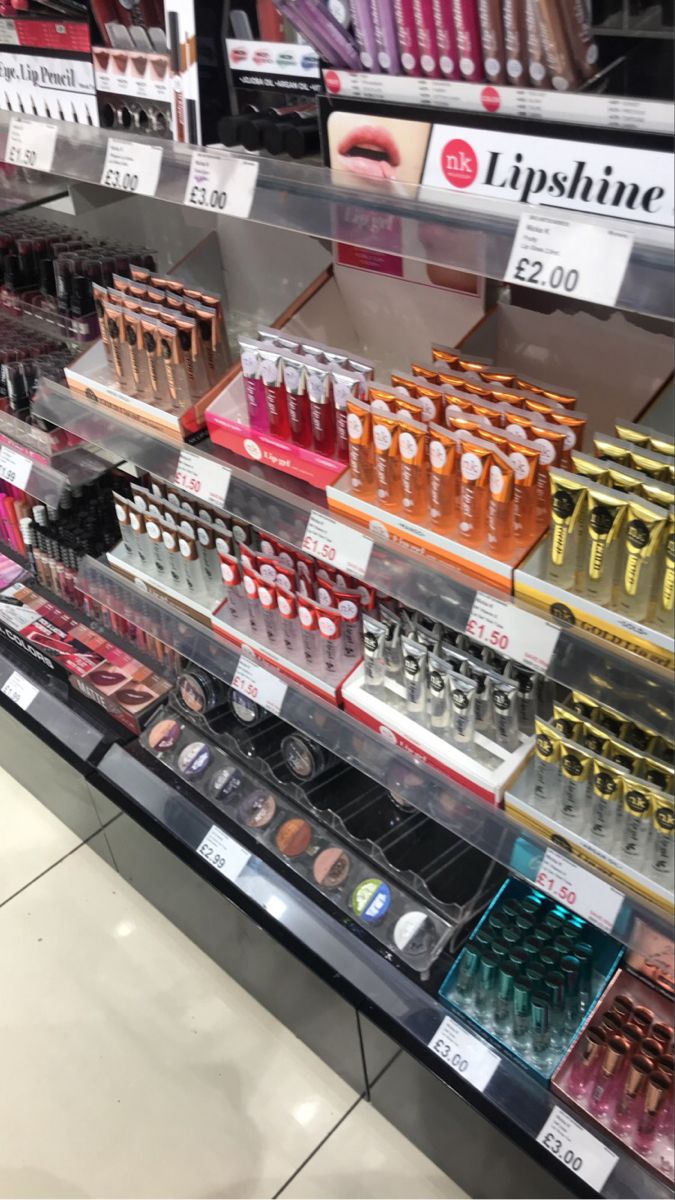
pixel 199 605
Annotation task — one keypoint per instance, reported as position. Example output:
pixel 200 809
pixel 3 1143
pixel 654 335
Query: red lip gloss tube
pixel 297 399
pixel 272 375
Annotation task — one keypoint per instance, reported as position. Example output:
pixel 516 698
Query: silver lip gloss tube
pixel 374 638
pixel 607 795
pixel 576 769
pixel 481 676
pixel 414 675
pixel 660 856
pixel 393 654
pixel 505 712
pixel 638 807
pixel 527 694
pixel 463 693
pixel 438 694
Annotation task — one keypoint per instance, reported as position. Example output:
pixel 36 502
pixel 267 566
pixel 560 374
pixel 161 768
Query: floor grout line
pixel 63 858
pixel 318 1146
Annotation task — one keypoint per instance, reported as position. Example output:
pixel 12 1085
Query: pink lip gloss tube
pixel 426 37
pixel 407 36
pixel 446 39
pixel 364 33
pixel 321 408
pixel 382 12
pixel 272 375
pixel 468 40
pixel 254 388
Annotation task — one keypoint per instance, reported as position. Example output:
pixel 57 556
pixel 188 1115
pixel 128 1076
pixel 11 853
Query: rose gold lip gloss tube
pixel 536 60
pixel 515 41
pixel 558 59
pixel 492 40
pixel 580 38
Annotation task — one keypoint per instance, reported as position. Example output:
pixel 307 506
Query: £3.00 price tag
pixel 19 690
pixel 226 855
pixel 577 1149
pixel 14 468
pixel 202 477
pixel 337 544
pixel 579 890
pixel 511 631
pixel 465 1053
pixel 31 144
pixel 569 258
pixel 132 167
pixel 220 185
pixel 254 681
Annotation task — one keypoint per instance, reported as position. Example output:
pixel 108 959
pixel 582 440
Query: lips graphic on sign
pixel 459 163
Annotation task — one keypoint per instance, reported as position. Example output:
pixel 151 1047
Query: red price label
pixel 320 549
pixel 335 543
pixel 246 686
pixel 189 483
pixel 554 887
pixel 510 630
pixel 260 685
pixel 488 634
pixel 579 889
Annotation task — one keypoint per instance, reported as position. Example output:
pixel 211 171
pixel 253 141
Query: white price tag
pixel 220 185
pixel 19 690
pixel 14 468
pixel 577 1149
pixel 254 681
pixel 202 477
pixel 579 890
pixel 569 258
pixel 132 167
pixel 511 631
pixel 337 544
pixel 226 855
pixel 31 144
pixel 465 1053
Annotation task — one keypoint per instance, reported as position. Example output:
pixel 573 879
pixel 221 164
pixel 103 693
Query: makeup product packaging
pixel 412 441
pixel 500 503
pixel 561 66
pixel 515 40
pixel 382 12
pixel 665 580
pixel 393 652
pixel 364 33
pixel 307 617
pixel 426 37
pixel 547 750
pixel 576 772
pixel 492 40
pixel 505 712
pixel 444 449
pixel 385 446
pixel 568 498
pixel 321 407
pixel 287 607
pixel 467 32
pixel 439 680
pixel 254 387
pixel 644 528
pixel 463 693
pixel 536 59
pixel 414 675
pixel 297 399
pixel 345 385
pixel 404 17
pixel 319 28
pixel 606 801
pixel 329 626
pixel 583 45
pixel 374 637
pixel 359 431
pixel 348 605
pixel 606 515
pixel 474 471
pixel 272 374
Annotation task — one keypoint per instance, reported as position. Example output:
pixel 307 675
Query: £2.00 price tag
pixel 226 855
pixel 465 1053
pixel 254 681
pixel 14 468
pixel 577 1149
pixel 570 258
pixel 202 477
pixel 220 185
pixel 337 544
pixel 31 144
pixel 132 167
pixel 511 631
pixel 579 890
pixel 19 690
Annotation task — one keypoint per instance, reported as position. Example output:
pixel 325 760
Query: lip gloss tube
pixel 235 594
pixel 500 501
pixel 272 375
pixel 463 694
pixel 382 13
pixel 345 385
pixel 412 441
pixel 321 408
pixel 122 514
pixel 492 40
pixel 348 604
pixel 114 320
pixel 364 33
pixel 158 553
pixel 559 61
pixel 426 37
pixel 407 36
pixel 329 624
pixel 444 448
pixel 475 463
pixel 170 543
pixel 297 399
pixel 446 39
pixel 250 581
pixel 150 328
pixel 536 60
pixel 137 523
pixel 576 771
pixel 385 443
pixel 307 613
pixel 515 40
pixel 287 608
pixel 468 39
pixel 267 598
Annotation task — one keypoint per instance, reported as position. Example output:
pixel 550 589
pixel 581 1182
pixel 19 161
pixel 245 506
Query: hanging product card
pixel 584 262
pixel 579 890
pixel 31 144
pixel 220 185
pixel 132 167
pixel 577 1149
pixel 337 544
pixel 202 477
pixel 254 681
pixel 466 1054
pixel 19 690
pixel 226 855
pixel 512 631
pixel 14 468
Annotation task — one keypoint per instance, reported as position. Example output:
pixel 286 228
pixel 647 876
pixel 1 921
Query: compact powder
pixel 102 678
pixel 331 867
pixel 257 810
pixel 371 900
pixel 194 759
pixel 293 837
pixel 225 782
pixel 414 934
pixel 164 735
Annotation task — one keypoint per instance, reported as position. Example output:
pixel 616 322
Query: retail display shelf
pixel 20 189
pixel 448 228
pixel 45 480
pixel 487 828
pixel 258 494
pixel 512 1098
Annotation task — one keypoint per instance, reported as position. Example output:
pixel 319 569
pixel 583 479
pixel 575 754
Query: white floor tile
pixel 131 1065
pixel 31 838
pixel 368 1158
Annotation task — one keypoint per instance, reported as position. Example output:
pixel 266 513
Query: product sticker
pixel 579 890
pixel 570 258
pixel 131 167
pixel 14 468
pixel 512 631
pixel 337 544
pixel 466 1054
pixel 226 855
pixel 203 477
pixel 221 185
pixel 254 681
pixel 19 690
pixel 577 1149
pixel 31 144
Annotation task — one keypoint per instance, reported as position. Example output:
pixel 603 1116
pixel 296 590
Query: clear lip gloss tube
pixel 462 709
pixel 250 580
pixel 374 666
pixel 576 770
pixel 307 612
pixel 267 598
pixel 329 623
pixel 234 589
pixel 287 607
pixel 414 675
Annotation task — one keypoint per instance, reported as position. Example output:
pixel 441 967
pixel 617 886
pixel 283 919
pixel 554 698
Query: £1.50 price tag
pixel 31 144
pixel 202 477
pixel 19 690
pixel 579 890
pixel 577 1149
pixel 224 853
pixel 14 468
pixel 337 544
pixel 570 258
pixel 259 685
pixel 511 631
pixel 132 167
pixel 465 1053
pixel 221 185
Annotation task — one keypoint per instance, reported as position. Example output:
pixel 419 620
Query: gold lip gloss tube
pixel 412 442
pixel 606 514
pixel 568 497
pixel 444 451
pixel 658 492
pixel 382 398
pixel 643 530
pixel 592 468
pixel 385 444
pixel 360 434
pixel 500 504
pixel 656 466
pixel 613 449
pixel 475 463
pixel 665 580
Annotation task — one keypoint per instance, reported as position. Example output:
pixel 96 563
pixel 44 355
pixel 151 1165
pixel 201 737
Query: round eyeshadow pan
pixel 414 934
pixel 331 867
pixel 225 782
pixel 256 811
pixel 371 899
pixel 194 759
pixel 164 734
pixel 293 837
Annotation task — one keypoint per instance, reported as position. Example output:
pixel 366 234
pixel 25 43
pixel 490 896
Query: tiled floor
pixel 132 1066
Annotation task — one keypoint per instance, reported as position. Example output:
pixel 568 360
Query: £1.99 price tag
pixel 512 631
pixel 579 890
pixel 344 548
pixel 570 258
pixel 202 477
pixel 466 1054
pixel 577 1149
pixel 221 185
pixel 131 167
pixel 259 685
pixel 19 690
pixel 14 468
pixel 31 144
pixel 224 853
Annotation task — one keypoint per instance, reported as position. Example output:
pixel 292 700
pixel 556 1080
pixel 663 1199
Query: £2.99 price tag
pixel 19 690
pixel 511 631
pixel 337 544
pixel 579 890
pixel 202 477
pixel 570 258
pixel 221 185
pixel 14 468
pixel 465 1053
pixel 577 1149
pixel 131 167
pixel 254 681
pixel 31 144
pixel 226 855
